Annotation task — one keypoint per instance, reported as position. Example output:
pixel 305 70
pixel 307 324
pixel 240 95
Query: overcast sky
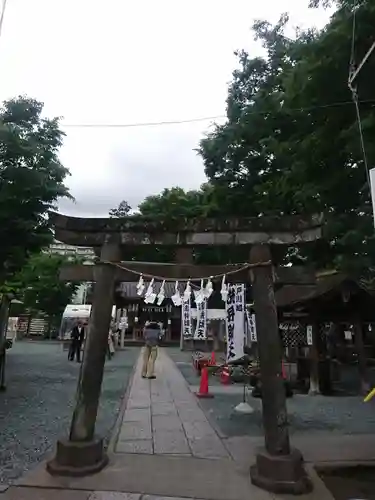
pixel 131 61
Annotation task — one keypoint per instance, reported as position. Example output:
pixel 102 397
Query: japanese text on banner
pixel 235 322
pixel 251 324
pixel 201 329
pixel 186 319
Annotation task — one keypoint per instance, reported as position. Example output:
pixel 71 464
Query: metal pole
pixel 355 73
pixel 84 298
pixel 181 335
pixel 2 373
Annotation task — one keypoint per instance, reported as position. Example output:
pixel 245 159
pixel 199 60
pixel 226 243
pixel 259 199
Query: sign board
pixel 348 335
pixel 252 326
pixel 186 319
pixel 235 322
pixel 201 329
pixel 123 322
pixel 309 335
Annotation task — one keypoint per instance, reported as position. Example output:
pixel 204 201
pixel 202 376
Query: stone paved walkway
pixel 163 417
pixel 164 448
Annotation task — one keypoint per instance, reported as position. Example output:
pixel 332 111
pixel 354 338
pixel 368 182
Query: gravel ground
pixel 36 408
pixel 319 414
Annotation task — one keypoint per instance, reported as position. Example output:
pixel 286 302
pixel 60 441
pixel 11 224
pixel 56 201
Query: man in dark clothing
pixel 77 336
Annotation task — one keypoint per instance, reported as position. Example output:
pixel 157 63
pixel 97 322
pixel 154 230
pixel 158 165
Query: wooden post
pixel 314 360
pixel 4 315
pixel 168 331
pixel 278 468
pixel 362 363
pixel 83 453
pixel 215 336
pixel 122 331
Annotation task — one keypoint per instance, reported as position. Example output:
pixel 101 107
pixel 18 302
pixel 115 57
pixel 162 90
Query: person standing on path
pixel 77 336
pixel 151 335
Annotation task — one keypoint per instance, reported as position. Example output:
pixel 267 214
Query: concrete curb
pixel 342 464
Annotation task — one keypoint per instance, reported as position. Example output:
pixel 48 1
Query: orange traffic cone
pixel 203 387
pixel 225 376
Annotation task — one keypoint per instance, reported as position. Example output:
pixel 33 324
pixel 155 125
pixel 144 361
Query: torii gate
pixel 278 467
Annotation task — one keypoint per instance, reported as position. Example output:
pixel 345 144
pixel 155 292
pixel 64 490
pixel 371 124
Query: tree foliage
pixel 348 4
pixel 121 211
pixel 177 204
pixel 290 143
pixel 39 287
pixel 31 181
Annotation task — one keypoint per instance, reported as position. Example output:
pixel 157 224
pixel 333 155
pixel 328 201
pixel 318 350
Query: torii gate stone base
pixel 278 467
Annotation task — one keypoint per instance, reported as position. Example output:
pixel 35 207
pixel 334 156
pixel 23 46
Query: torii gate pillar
pixel 278 468
pixel 83 453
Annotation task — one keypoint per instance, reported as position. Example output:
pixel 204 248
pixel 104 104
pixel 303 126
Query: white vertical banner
pixel 372 188
pixel 186 318
pixel 235 322
pixel 201 329
pixel 252 326
pixel 309 335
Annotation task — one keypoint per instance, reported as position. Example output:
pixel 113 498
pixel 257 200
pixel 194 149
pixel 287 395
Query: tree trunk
pixel 362 362
pixel 4 314
pixel 314 360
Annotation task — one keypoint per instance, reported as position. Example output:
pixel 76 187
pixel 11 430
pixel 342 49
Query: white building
pixel 59 248
pixel 86 253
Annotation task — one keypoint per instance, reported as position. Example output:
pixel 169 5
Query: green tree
pixel 291 144
pixel 176 204
pixel 173 204
pixel 39 287
pixel 121 211
pixel 31 181
pixel 338 3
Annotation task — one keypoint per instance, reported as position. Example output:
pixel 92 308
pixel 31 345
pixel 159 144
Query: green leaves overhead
pixel 291 144
pixel 31 180
pixel 121 211
pixel 39 287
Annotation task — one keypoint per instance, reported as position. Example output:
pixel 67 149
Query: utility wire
pixel 353 88
pixel 3 7
pixel 140 124
pixel 207 118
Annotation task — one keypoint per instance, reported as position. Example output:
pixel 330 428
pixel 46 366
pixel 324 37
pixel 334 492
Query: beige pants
pixel 149 357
